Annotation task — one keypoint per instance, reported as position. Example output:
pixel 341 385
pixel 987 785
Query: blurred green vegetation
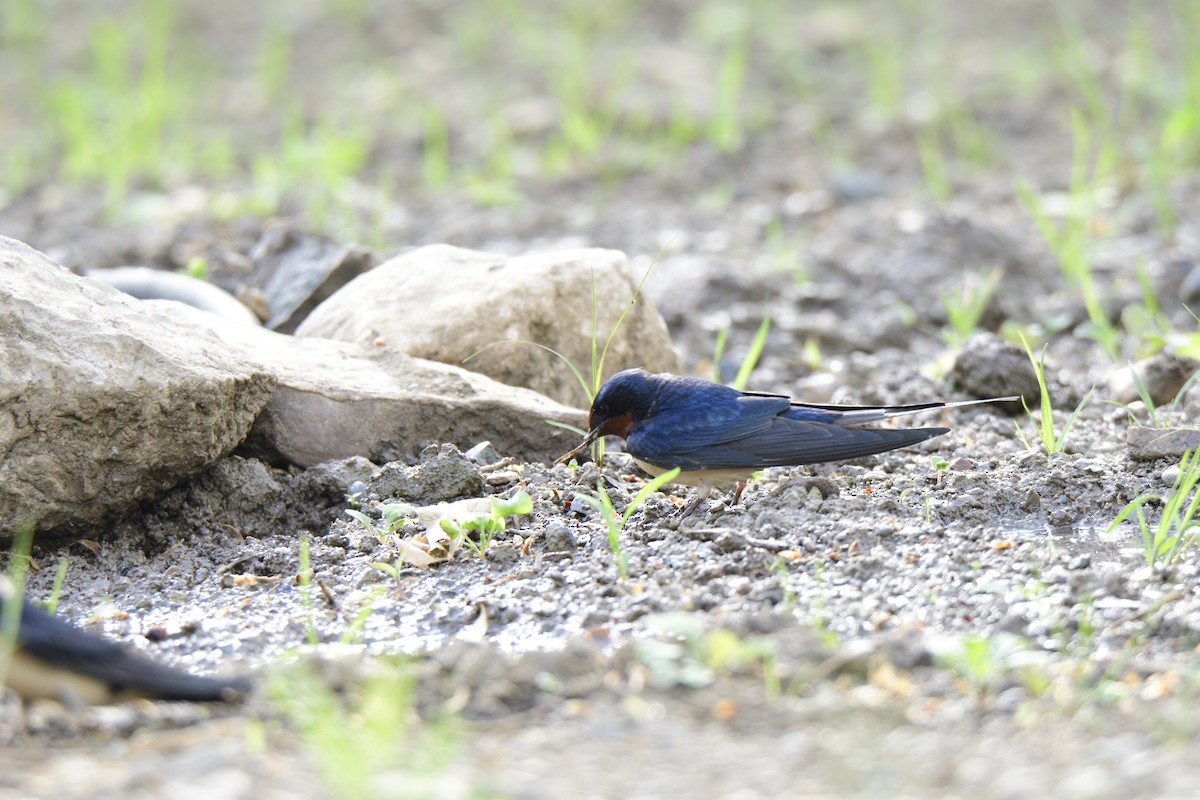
pixel 329 108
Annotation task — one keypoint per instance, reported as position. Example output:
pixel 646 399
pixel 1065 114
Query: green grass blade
pixel 598 367
pixel 650 487
pixel 570 364
pixel 752 355
pixel 10 618
pixel 714 373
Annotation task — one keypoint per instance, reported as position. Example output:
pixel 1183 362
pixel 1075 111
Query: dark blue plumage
pixel 53 658
pixel 718 436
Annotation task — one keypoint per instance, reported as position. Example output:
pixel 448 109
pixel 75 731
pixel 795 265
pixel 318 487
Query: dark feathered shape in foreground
pixel 719 436
pixel 54 659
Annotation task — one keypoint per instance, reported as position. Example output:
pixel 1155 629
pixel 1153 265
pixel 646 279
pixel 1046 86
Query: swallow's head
pixel 623 400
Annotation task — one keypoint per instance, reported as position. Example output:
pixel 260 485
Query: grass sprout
pixel 369 740
pixel 614 523
pixel 966 307
pixel 1070 242
pixel 725 127
pixel 752 355
pixel 983 662
pixel 933 165
pixel 1177 525
pixel 395 515
pixel 1052 439
pixel 749 362
pixel 486 527
pixel 688 656
pixel 714 371
pixel 304 577
pixel 590 384
pixel 60 575
pixel 1145 322
pixel 14 596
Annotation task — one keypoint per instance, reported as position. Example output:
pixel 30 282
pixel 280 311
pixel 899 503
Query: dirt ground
pixel 951 620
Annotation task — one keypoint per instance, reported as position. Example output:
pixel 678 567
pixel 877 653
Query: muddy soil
pixel 954 619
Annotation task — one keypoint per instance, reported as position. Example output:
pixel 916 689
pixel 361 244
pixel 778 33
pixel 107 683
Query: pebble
pixel 559 537
pixel 483 453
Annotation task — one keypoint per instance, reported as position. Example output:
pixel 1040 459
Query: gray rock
pixel 111 401
pixel 447 304
pixel 108 401
pixel 1149 444
pixel 332 481
pixel 1162 376
pixel 443 474
pixel 296 273
pixel 988 366
pixel 336 400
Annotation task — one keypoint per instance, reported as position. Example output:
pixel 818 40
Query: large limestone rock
pixel 105 402
pixel 109 401
pixel 336 399
pixel 445 303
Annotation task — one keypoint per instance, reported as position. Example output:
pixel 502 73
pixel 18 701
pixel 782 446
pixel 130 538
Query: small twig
pixel 772 545
pixel 239 560
pixel 1153 608
pixel 233 530
pixel 329 598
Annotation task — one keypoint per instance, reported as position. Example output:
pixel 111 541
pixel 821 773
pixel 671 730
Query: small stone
pixel 1055 574
pixel 443 474
pixel 483 453
pixel 1170 475
pixel 1081 561
pixel 740 584
pixel 1162 377
pixel 729 544
pixel 502 554
pixel 1062 516
pixel 558 537
pixel 1031 502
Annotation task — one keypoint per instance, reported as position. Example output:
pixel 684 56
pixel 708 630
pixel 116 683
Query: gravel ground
pixel 953 619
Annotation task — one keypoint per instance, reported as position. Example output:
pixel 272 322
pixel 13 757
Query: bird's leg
pixel 737 493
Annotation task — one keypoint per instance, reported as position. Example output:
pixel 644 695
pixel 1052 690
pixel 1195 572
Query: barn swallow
pixel 719 436
pixel 54 659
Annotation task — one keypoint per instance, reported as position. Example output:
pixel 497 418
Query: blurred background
pixel 347 112
pixel 793 142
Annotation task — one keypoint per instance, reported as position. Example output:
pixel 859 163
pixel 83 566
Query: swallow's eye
pixel 601 410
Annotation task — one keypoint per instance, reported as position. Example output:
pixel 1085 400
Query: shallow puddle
pixel 1083 538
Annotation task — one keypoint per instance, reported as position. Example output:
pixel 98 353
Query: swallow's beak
pixel 592 436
